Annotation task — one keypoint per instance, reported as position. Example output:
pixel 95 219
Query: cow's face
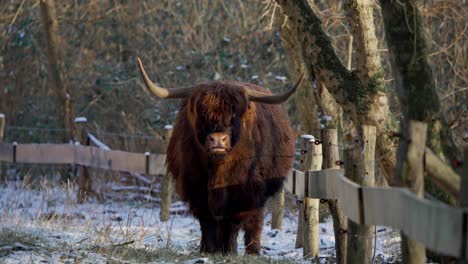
pixel 218 118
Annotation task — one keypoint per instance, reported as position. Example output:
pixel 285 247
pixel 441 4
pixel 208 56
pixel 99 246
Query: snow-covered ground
pixel 46 225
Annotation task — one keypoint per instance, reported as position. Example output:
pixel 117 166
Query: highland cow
pixel 231 149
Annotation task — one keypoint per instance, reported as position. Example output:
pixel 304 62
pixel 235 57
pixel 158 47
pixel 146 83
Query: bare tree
pixel 56 71
pixel 369 69
pixel 364 103
pixel 416 89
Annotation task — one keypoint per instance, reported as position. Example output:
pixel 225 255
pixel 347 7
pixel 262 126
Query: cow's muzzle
pixel 218 143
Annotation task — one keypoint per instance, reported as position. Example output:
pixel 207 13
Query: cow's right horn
pixel 261 97
pixel 160 91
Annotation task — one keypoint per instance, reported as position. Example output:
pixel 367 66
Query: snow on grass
pixel 46 224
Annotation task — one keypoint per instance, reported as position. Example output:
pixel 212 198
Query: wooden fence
pixel 89 156
pixel 436 226
pixel 88 151
pixel 440 227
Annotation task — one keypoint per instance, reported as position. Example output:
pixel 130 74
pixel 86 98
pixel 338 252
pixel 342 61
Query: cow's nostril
pixel 224 139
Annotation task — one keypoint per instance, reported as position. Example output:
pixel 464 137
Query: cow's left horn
pixel 259 97
pixel 160 91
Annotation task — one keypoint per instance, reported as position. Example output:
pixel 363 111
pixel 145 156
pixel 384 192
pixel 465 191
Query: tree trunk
pixel 360 13
pixel 365 105
pixel 408 52
pixel 361 17
pixel 303 106
pixel 167 186
pixel 2 133
pixel 413 75
pixel 463 199
pixel 464 190
pixel 56 71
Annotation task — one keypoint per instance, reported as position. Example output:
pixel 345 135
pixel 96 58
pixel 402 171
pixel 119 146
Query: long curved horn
pixel 260 97
pixel 160 91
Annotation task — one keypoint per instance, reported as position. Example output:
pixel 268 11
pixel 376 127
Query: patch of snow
pixel 307 136
pixel 198 261
pixel 53 214
pixel 217 76
pixel 280 78
pixel 97 142
pixel 80 119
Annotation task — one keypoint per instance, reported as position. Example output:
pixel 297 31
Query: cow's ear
pixel 250 105
pixel 245 102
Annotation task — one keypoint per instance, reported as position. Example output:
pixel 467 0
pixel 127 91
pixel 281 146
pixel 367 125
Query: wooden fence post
pixel 83 178
pixel 410 173
pixel 307 230
pixel 463 200
pixel 311 206
pixel 360 168
pixel 2 133
pixel 300 229
pixel 277 210
pixel 331 157
pixel 464 181
pixel 167 185
pixel 300 221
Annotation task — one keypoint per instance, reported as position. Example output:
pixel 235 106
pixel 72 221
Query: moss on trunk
pixel 414 80
pixel 365 104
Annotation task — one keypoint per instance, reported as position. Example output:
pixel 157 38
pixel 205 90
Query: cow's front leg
pixel 229 232
pixel 252 226
pixel 208 239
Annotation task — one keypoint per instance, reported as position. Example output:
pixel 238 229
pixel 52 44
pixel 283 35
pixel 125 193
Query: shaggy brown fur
pixel 227 193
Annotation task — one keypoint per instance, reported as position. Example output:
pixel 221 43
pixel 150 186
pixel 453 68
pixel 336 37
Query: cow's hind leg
pixel 208 239
pixel 252 226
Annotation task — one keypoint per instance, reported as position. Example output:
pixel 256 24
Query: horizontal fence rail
pixel 439 227
pixel 88 156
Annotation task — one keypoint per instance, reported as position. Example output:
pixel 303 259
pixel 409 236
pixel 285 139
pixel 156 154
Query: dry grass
pixel 44 224
pixel 37 247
